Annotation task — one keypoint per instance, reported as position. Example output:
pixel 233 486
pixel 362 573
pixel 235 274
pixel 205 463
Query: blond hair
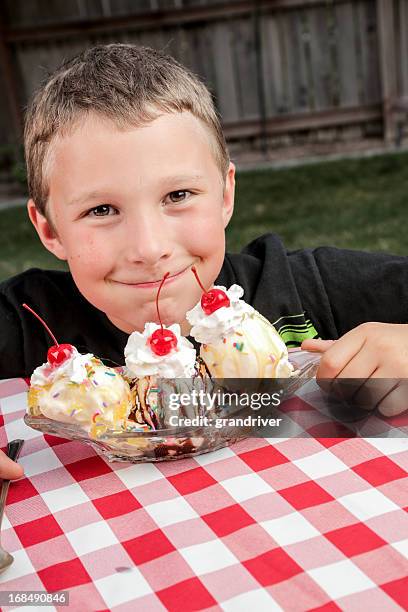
pixel 128 84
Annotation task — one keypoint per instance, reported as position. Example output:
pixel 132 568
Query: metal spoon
pixel 13 451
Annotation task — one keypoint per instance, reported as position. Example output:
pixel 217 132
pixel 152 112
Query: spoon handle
pixel 13 450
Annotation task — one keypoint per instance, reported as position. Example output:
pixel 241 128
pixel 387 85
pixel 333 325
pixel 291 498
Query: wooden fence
pixel 304 76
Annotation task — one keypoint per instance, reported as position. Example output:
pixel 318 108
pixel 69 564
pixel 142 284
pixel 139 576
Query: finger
pixel 349 380
pixel 361 366
pixel 358 395
pixel 9 470
pixel 336 358
pixel 396 402
pixel 315 344
pixel 374 390
pixel 347 389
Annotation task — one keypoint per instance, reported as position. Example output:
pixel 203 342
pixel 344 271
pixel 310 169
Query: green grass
pixel 359 204
pixel 20 247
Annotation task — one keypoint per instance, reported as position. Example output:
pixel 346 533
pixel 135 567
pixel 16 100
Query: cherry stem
pixel 194 271
pixel 42 321
pixel 157 299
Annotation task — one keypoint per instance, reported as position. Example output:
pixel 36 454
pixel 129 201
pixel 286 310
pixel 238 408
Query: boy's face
pixel 129 206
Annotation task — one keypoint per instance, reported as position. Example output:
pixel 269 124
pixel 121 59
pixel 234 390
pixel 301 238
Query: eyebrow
pixel 87 196
pixel 181 178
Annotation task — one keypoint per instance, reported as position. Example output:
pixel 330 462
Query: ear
pixel 229 194
pixel 46 232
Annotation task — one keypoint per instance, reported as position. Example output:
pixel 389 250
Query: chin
pixel 167 321
pixel 171 311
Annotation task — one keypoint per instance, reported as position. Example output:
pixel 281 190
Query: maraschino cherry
pixel 213 299
pixel 162 341
pixel 58 353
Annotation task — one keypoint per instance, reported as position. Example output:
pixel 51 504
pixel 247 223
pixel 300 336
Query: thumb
pixel 320 346
pixel 9 470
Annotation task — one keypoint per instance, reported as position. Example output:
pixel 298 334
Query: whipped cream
pixel 141 361
pixel 73 369
pixel 208 329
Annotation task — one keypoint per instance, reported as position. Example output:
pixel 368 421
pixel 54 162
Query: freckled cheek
pixel 205 233
pixel 85 250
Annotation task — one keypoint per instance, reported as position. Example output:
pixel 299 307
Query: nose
pixel 146 239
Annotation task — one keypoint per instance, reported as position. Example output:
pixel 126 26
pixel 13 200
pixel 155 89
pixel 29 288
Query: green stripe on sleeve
pixel 295 337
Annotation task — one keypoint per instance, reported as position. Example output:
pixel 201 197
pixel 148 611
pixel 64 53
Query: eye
pixel 178 196
pixel 103 210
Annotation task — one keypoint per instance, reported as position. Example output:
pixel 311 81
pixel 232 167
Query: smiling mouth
pixel 153 284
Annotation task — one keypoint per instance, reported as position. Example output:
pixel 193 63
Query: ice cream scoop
pixel 236 340
pixel 81 391
pixel 78 389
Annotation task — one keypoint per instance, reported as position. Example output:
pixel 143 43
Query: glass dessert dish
pixel 174 442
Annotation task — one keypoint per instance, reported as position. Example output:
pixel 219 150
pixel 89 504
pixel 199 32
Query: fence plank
pixel 387 54
pixel 305 121
pixel 272 66
pixel 157 39
pixel 36 62
pixel 33 66
pixel 320 58
pixel 245 61
pixel 296 73
pixel 346 55
pixel 403 50
pixel 284 33
pixel 10 93
pixel 304 86
pixel 203 55
pixel 224 70
pixel 367 30
pixel 179 44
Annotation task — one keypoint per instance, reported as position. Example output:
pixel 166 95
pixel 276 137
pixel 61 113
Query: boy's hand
pixel 369 351
pixel 9 470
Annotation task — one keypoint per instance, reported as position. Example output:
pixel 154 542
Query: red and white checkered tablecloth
pixel 268 524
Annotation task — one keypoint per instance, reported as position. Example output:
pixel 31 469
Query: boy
pixel 130 178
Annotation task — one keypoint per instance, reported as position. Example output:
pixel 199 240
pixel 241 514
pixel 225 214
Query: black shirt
pixel 306 293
